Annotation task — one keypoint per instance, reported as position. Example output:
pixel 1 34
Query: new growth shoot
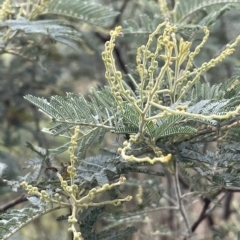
pixel 163 61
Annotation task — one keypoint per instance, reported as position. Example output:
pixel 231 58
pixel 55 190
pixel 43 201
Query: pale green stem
pixel 174 112
pixel 179 199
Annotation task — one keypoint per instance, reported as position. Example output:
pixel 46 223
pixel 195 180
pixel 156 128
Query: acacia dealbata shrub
pixel 158 105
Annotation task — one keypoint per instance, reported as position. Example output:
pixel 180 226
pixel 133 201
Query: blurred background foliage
pixel 44 64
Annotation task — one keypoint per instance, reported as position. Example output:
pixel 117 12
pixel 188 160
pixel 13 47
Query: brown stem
pixel 202 215
pixel 20 199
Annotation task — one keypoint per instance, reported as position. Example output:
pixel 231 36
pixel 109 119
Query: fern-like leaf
pixel 66 113
pixel 89 12
pixel 99 168
pixel 147 25
pixel 165 125
pixel 11 222
pixel 186 8
pixel 55 29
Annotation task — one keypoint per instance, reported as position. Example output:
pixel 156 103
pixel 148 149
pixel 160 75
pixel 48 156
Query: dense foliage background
pixel 63 54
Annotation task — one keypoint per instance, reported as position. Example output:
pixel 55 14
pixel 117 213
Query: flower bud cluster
pixel 113 76
pixel 43 195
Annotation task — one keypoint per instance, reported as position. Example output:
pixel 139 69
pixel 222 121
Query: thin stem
pixel 206 211
pixel 216 204
pixel 179 199
pixel 201 116
pixel 86 124
pixel 233 189
pixel 14 202
pixel 190 193
pixel 170 199
pixel 163 91
pixel 169 208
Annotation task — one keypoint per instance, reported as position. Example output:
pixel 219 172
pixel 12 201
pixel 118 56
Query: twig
pixel 118 17
pixel 21 198
pixel 19 55
pixel 170 208
pixel 206 211
pixel 202 214
pixel 170 199
pixel 86 124
pixel 215 205
pixel 179 199
pixel 190 193
pixel 232 189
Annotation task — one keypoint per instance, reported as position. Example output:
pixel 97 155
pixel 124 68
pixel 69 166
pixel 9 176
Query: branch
pixel 227 206
pixel 170 208
pixel 202 215
pixel 20 199
pixel 179 199
pixel 118 17
pixel 206 211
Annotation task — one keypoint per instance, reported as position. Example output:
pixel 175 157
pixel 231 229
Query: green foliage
pixel 163 119
pixel 91 13
pixel 89 217
pixel 56 30
pixel 27 24
pixel 187 8
pixel 95 115
pixel 221 168
pixel 18 218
